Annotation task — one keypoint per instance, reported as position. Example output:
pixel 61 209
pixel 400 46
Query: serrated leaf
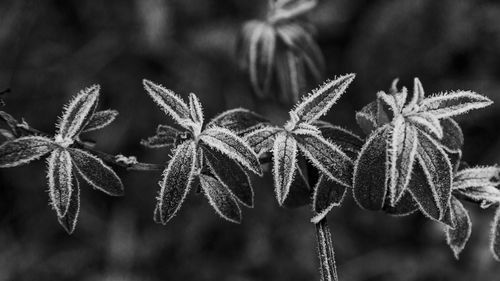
pixel 369 180
pixel 220 198
pixel 196 109
pixel 100 119
pixel 24 150
pixel 176 181
pixel 453 138
pixel 437 169
pixel 453 103
pixel 68 221
pixel 94 171
pixel 78 112
pixel 327 194
pixel 401 155
pixel 300 192
pixel 165 136
pixel 230 173
pixel 367 118
pixel 322 99
pixel 284 160
pixel 457 237
pixel 427 122
pixel 169 102
pixel 327 157
pixel 495 236
pixel 238 120
pixel 60 179
pixel 261 140
pixel 233 146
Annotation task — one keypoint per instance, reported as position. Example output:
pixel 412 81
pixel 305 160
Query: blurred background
pixel 51 49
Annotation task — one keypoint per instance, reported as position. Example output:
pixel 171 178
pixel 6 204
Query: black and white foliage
pixel 302 132
pixel 214 156
pixel 411 145
pixel 279 53
pixel 67 161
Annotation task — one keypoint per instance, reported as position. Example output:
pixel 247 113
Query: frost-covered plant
pixel 280 53
pixel 409 151
pixel 213 156
pixel 68 159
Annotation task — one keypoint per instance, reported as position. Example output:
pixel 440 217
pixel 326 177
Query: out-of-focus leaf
pixel 100 119
pixel 291 9
pixel 458 236
pixel 24 150
pixel 220 198
pixel 94 171
pixel 327 157
pixel 453 103
pixel 284 160
pixel 327 194
pixel 78 112
pixel 238 120
pixel 60 179
pixel 233 146
pixel 369 181
pixel 176 181
pixel 367 118
pixel 227 171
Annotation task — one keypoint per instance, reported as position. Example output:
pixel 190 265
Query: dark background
pixel 51 49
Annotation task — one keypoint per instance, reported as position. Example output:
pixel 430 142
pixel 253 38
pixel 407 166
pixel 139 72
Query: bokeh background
pixel 51 49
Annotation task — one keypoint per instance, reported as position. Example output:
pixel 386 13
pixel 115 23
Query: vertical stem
pixel 326 255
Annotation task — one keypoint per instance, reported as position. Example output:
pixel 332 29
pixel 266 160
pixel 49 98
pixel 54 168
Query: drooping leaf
pixel 100 119
pixel 60 178
pixel 300 191
pixel 196 109
pixel 428 123
pixel 227 171
pixel 176 181
pixel 24 150
pixel 457 237
pixel 495 236
pixel 322 99
pixel 165 136
pixel 220 198
pixel 169 102
pixel 367 118
pixel 78 112
pixel 424 194
pixel 94 171
pixel 369 181
pixel 233 146
pixel 327 157
pixel 437 169
pixel 453 138
pixel 284 160
pixel 238 120
pixel 405 206
pixel 68 221
pixel 453 103
pixel 261 140
pixel 327 194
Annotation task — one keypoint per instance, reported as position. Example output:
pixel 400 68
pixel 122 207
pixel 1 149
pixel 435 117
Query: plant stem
pixel 326 255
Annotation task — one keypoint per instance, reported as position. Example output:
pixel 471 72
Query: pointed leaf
pixel 261 140
pixel 169 102
pixel 100 119
pixel 453 138
pixel 78 112
pixel 195 109
pixel 423 193
pixel 345 139
pixel 94 171
pixel 405 206
pixel 60 178
pixel 261 51
pixel 284 160
pixel 233 146
pixel 230 173
pixel 327 157
pixel 24 150
pixel 427 122
pixel 453 103
pixel 418 95
pixel 477 177
pixel 457 237
pixel 176 181
pixel 165 136
pixel 300 192
pixel 322 99
pixel 238 120
pixel 306 129
pixel 68 221
pixel 367 118
pixel 327 194
pixel 220 198
pixel 369 181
